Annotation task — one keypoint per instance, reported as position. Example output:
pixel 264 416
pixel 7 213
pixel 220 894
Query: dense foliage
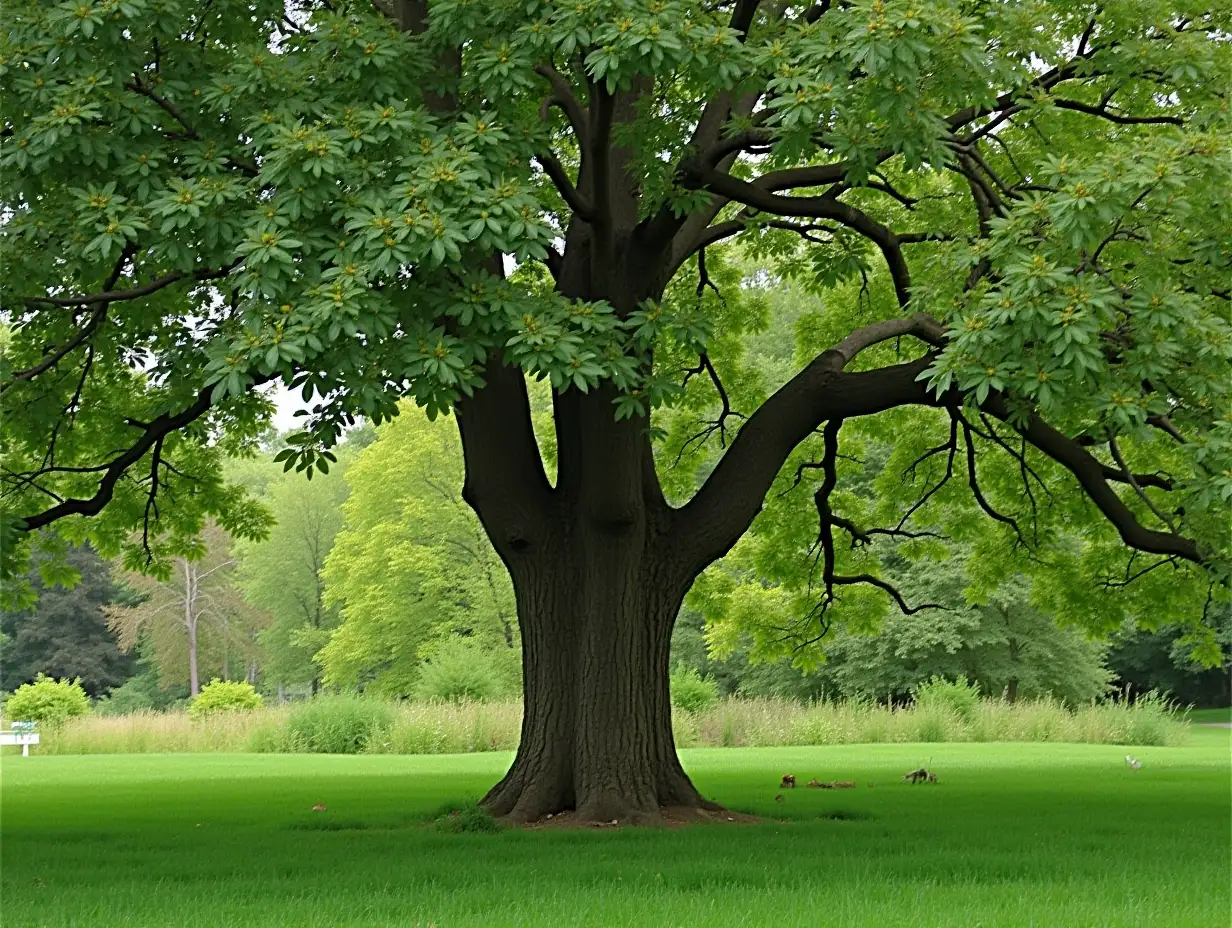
pixel 224 696
pixel 64 632
pixel 411 568
pixel 47 700
pixel 275 176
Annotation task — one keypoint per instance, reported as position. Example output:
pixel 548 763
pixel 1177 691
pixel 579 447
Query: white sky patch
pixel 287 403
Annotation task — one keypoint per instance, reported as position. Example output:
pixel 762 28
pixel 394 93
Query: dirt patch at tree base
pixel 668 817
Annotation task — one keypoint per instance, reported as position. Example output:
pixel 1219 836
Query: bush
pixel 126 699
pixel 959 697
pixel 335 725
pixel 141 693
pixel 691 691
pixel 461 672
pixel 224 696
pixel 48 701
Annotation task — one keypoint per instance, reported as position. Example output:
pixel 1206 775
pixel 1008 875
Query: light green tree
pixel 282 574
pixel 412 568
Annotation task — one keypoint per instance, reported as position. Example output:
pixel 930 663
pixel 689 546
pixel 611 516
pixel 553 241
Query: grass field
pixel 1209 716
pixel 1013 835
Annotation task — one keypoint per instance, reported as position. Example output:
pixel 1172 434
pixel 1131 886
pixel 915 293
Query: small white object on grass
pixel 1133 761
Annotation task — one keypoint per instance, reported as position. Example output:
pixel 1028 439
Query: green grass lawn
pixel 1014 835
pixel 1208 716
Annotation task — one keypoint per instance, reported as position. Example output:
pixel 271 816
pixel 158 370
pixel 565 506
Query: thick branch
pixel 1089 472
pixel 564 98
pixel 921 325
pixel 505 481
pixel 824 207
pixel 569 193
pixel 724 507
pixel 152 436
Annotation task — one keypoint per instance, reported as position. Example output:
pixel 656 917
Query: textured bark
pixel 598 586
pixel 596 734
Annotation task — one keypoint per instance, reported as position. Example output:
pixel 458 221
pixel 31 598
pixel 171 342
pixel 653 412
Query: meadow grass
pixel 1012 835
pixel 341 724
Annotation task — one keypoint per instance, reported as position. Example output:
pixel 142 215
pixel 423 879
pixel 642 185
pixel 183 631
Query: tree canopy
pixel 237 195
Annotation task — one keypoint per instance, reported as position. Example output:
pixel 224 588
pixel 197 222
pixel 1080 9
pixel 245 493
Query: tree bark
pixel 598 584
pixel 190 624
pixel 596 618
pixel 194 678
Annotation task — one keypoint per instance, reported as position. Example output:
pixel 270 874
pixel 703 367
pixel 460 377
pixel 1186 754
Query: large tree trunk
pixel 597 729
pixel 598 581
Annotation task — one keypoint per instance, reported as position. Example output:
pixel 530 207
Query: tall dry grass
pixel 353 725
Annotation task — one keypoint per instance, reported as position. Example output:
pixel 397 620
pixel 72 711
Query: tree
pixel 191 612
pixel 282 574
pixel 65 634
pixel 1146 659
pixel 1017 213
pixel 411 569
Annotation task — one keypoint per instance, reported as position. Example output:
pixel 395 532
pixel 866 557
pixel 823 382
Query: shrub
pixel 48 701
pixel 125 700
pixel 461 672
pixel 224 696
pixel 691 691
pixel 957 697
pixel 335 725
pixel 139 693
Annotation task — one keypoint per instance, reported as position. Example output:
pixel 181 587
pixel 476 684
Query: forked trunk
pixel 597 728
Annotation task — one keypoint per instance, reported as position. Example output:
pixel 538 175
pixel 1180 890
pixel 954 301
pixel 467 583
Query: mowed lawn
pixel 1013 834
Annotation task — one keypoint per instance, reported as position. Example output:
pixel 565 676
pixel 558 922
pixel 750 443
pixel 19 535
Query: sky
pixel 286 403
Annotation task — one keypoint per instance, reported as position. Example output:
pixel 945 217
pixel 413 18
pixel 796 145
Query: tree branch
pixel 721 511
pixel 823 207
pixel 1089 472
pixel 564 98
pixel 1129 478
pixel 505 481
pixel 116 296
pixel 1120 119
pixel 568 192
pixel 153 435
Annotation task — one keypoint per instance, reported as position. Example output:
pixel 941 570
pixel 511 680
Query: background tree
pixel 65 633
pixel 1000 203
pixel 193 615
pixel 1146 659
pixel 411 569
pixel 282 574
